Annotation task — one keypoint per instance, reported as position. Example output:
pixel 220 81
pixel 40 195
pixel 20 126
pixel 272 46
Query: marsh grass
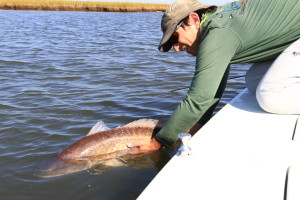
pixel 61 5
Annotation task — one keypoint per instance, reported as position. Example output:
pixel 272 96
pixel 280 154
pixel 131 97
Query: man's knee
pixel 267 100
pixel 279 100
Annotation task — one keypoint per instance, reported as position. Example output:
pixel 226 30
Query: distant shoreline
pixel 88 6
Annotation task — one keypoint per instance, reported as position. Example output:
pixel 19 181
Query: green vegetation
pixel 64 5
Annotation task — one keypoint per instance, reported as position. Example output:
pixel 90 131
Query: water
pixel 61 72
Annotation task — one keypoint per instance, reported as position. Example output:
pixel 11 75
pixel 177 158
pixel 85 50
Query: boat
pixel 242 153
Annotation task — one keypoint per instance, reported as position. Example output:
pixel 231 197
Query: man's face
pixel 187 37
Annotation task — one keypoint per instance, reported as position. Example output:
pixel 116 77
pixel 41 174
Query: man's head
pixel 181 26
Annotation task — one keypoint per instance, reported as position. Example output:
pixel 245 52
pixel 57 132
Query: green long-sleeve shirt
pixel 239 32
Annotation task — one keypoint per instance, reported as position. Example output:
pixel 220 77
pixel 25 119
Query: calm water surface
pixel 61 72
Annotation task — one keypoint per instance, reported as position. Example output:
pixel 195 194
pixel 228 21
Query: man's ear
pixel 194 18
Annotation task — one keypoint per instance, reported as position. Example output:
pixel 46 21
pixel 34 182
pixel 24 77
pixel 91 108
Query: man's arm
pixel 214 55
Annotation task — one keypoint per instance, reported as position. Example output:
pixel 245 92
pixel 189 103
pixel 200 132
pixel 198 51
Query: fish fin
pixel 143 123
pixel 99 126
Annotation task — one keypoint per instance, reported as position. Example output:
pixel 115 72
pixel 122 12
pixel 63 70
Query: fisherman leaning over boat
pixel 249 31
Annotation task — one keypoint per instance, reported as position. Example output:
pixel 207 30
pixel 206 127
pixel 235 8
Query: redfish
pixel 99 146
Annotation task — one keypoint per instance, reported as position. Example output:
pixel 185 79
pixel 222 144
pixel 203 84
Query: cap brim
pixel 165 47
pixel 165 44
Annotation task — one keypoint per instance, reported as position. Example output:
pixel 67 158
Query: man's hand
pixel 144 147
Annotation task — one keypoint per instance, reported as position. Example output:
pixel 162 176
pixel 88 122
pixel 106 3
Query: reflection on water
pixel 61 72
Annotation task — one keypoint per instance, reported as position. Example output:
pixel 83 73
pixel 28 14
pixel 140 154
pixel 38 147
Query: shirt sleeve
pixel 214 55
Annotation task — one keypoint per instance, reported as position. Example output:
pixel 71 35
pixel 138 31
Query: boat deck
pixel 241 153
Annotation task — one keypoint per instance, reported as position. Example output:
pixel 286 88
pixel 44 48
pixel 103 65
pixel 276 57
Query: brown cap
pixel 173 16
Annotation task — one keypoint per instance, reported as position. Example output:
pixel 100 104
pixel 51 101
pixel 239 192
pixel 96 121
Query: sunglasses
pixel 179 25
pixel 174 39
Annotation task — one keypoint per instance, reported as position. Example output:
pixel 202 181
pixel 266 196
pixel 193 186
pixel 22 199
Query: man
pixel 248 31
